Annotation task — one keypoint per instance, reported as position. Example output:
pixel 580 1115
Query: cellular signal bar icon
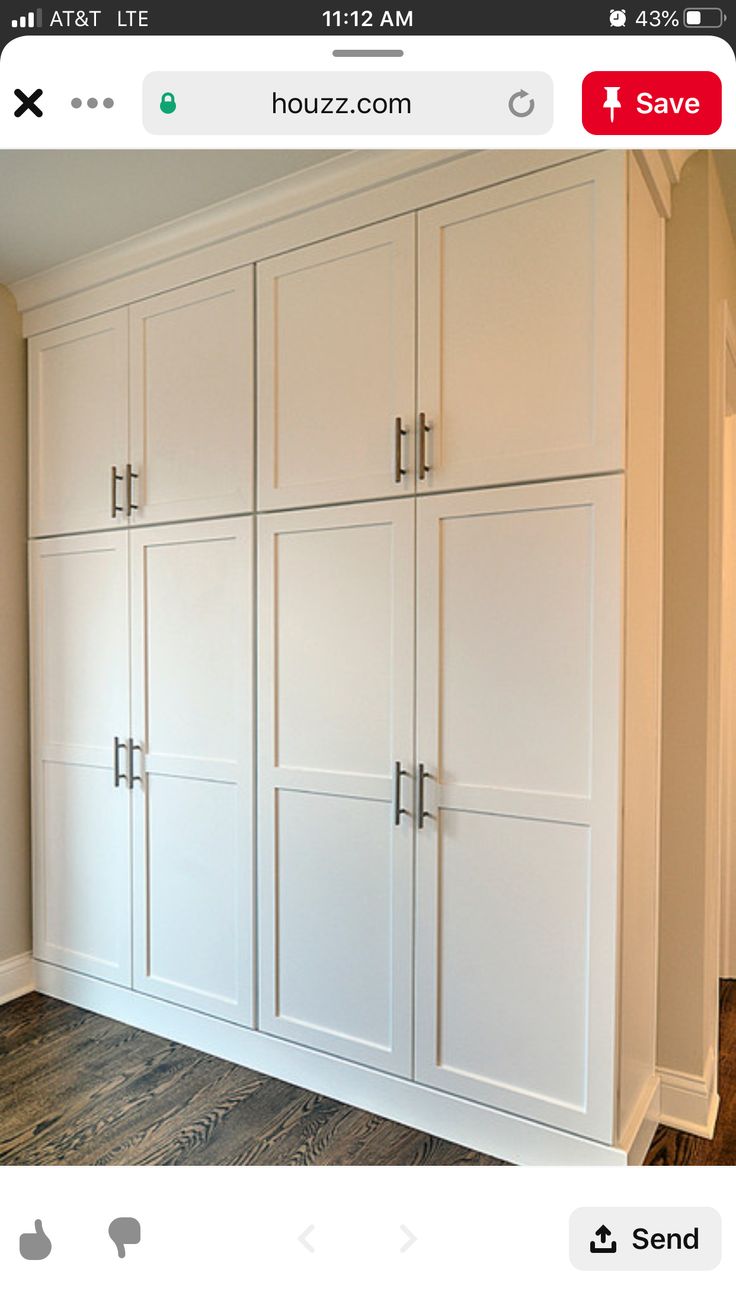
pixel 34 18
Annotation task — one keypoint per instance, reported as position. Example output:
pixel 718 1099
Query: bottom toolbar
pixel 325 1236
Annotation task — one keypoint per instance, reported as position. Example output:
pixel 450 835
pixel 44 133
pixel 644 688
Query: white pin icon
pixel 612 101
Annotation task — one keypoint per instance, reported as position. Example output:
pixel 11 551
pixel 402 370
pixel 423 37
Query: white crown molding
pixel 347 175
pixel 16 977
pixel 351 191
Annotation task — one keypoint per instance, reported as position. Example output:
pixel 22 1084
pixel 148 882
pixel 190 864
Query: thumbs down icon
pixel 124 1230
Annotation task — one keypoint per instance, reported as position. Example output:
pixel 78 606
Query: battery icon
pixel 703 18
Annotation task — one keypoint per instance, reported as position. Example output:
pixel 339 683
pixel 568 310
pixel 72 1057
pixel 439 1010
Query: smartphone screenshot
pixel 368 654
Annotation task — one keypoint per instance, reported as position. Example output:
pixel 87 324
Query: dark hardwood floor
pixel 80 1089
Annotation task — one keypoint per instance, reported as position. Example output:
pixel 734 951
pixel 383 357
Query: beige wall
pixel 701 273
pixel 15 925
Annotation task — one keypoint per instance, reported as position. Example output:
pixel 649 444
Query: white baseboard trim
pixel 16 977
pixel 514 1139
pixel 690 1103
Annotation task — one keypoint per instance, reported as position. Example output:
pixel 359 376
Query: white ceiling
pixel 58 204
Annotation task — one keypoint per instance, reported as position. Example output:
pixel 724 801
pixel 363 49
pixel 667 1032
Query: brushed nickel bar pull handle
pixel 132 776
pixel 130 477
pixel 424 428
pixel 423 774
pixel 117 746
pixel 115 477
pixel 399 431
pixel 398 810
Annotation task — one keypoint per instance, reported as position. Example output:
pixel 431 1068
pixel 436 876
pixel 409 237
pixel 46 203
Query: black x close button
pixel 29 102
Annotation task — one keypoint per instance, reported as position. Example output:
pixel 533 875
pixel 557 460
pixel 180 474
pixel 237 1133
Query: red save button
pixel 651 104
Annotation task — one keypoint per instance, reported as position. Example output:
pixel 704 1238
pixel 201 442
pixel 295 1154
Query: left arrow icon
pixel 304 1239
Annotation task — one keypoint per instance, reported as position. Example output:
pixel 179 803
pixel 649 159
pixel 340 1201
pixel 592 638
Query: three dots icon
pixel 93 102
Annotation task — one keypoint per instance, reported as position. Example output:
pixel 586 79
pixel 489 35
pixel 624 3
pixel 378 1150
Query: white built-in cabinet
pixel 145 415
pixel 519 345
pixel 142 731
pixel 351 517
pixel 510 791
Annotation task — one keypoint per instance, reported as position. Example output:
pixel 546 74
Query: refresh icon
pixel 521 104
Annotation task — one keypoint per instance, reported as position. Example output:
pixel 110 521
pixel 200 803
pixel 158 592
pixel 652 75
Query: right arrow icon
pixel 410 1239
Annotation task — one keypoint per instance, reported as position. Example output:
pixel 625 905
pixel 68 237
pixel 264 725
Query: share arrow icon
pixel 603 1247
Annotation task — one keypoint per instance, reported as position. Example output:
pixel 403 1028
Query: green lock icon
pixel 168 103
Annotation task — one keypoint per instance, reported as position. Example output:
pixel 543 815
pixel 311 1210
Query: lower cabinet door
pixel 336 609
pixel 81 823
pixel 518 662
pixel 192 802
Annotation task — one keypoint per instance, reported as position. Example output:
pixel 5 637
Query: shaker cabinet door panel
pixel 336 608
pixel 336 369
pixel 518 667
pixel 192 806
pixel 191 398
pixel 78 424
pixel 81 826
pixel 522 328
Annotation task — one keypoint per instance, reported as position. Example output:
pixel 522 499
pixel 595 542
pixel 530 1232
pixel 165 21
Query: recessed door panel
pixel 193 890
pixel 84 913
pixel 513 953
pixel 334 904
pixel 334 672
pixel 527 644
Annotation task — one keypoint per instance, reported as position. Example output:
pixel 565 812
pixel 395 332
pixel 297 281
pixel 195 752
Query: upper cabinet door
pixel 78 418
pixel 522 329
pixel 336 369
pixel 191 400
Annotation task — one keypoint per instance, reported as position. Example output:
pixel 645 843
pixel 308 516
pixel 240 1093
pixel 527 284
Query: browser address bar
pixel 353 103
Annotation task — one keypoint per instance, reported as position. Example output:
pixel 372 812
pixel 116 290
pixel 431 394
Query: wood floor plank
pixel 77 1088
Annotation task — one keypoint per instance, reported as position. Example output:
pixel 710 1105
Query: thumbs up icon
pixel 35 1245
